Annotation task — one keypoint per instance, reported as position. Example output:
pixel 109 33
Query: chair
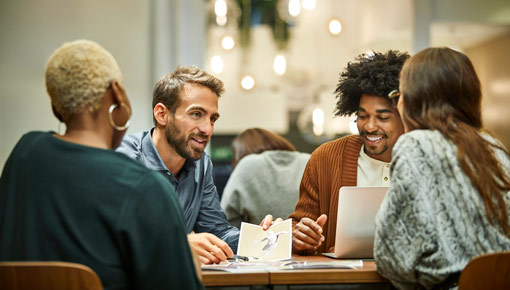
pixel 489 271
pixel 48 275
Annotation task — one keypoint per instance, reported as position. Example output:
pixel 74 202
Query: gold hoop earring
pixel 110 117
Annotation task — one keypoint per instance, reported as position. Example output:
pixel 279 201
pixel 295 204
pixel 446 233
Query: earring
pixel 110 117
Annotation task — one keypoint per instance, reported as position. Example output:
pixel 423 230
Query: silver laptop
pixel 355 224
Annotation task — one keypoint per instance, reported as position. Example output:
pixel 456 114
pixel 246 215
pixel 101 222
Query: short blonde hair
pixel 78 75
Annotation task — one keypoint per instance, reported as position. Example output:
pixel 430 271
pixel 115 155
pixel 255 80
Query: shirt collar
pixel 369 159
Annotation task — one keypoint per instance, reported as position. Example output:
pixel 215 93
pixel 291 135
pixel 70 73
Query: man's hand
pixel 209 248
pixel 268 221
pixel 307 234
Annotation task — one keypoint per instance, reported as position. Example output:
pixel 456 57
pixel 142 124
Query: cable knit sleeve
pixel 432 221
pixel 404 231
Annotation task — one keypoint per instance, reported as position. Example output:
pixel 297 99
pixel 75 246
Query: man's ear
pixel 161 112
pixel 57 114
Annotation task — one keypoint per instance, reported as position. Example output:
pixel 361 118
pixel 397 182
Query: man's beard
pixel 179 141
pixel 376 150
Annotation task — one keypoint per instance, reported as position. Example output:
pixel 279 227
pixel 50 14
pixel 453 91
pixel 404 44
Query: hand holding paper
pixel 271 245
pixel 268 221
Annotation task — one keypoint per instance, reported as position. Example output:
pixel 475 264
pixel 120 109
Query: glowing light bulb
pixel 318 130
pixel 308 5
pixel 294 7
pixel 227 43
pixel 221 20
pixel 318 117
pixel 335 27
pixel 280 65
pixel 217 64
pixel 220 8
pixel 247 82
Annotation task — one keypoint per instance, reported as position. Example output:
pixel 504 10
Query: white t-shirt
pixel 372 172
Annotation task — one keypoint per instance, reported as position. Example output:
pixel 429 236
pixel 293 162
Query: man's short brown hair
pixel 168 89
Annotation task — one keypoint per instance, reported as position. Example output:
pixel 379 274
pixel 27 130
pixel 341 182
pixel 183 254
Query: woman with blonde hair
pixel 72 198
pixel 449 199
pixel 266 177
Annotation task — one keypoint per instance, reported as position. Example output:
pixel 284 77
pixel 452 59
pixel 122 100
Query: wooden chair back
pixel 47 275
pixel 489 271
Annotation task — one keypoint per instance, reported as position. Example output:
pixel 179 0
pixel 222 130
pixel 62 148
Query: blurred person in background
pixel 356 160
pixel 449 199
pixel 266 177
pixel 72 198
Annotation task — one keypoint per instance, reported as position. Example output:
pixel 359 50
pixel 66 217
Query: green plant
pixel 262 12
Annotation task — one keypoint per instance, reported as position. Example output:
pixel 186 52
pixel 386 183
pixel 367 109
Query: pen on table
pixel 238 258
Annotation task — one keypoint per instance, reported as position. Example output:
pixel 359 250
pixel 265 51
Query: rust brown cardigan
pixel 331 166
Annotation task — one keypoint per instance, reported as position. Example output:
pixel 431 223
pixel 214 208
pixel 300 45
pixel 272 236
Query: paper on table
pixel 344 264
pixel 273 244
pixel 264 266
pixel 241 267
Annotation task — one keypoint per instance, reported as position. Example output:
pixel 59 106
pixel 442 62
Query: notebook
pixel 355 224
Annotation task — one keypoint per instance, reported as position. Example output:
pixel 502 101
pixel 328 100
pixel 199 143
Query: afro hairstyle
pixel 372 74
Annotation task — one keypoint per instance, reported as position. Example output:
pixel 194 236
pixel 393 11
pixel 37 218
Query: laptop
pixel 355 224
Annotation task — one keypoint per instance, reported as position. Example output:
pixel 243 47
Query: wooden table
pixel 220 278
pixel 366 274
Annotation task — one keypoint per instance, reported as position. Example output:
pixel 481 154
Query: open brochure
pixel 261 266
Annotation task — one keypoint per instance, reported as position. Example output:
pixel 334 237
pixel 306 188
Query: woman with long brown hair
pixel 450 196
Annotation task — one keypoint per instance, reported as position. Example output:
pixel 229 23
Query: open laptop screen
pixel 355 228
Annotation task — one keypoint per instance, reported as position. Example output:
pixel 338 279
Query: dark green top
pixel 61 201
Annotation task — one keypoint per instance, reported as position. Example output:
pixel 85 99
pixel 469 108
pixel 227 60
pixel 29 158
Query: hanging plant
pixel 262 12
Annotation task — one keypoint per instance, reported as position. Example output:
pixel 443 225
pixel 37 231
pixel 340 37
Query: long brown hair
pixel 441 91
pixel 257 140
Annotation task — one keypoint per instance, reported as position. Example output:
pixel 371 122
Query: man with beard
pixel 357 160
pixel 185 107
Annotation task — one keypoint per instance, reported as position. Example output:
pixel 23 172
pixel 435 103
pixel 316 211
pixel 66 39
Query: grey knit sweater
pixel 432 222
pixel 265 183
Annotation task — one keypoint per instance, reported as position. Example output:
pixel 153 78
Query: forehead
pixel 198 95
pixel 375 104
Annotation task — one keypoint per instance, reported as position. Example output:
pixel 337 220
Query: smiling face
pixel 189 129
pixel 379 126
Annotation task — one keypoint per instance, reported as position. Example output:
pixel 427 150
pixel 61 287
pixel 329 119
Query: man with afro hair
pixel 356 160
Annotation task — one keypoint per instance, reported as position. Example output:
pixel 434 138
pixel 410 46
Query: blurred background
pixel 279 59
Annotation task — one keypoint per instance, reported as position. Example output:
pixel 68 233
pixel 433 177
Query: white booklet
pixel 273 244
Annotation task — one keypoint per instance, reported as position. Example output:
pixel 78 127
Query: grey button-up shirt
pixel 195 188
